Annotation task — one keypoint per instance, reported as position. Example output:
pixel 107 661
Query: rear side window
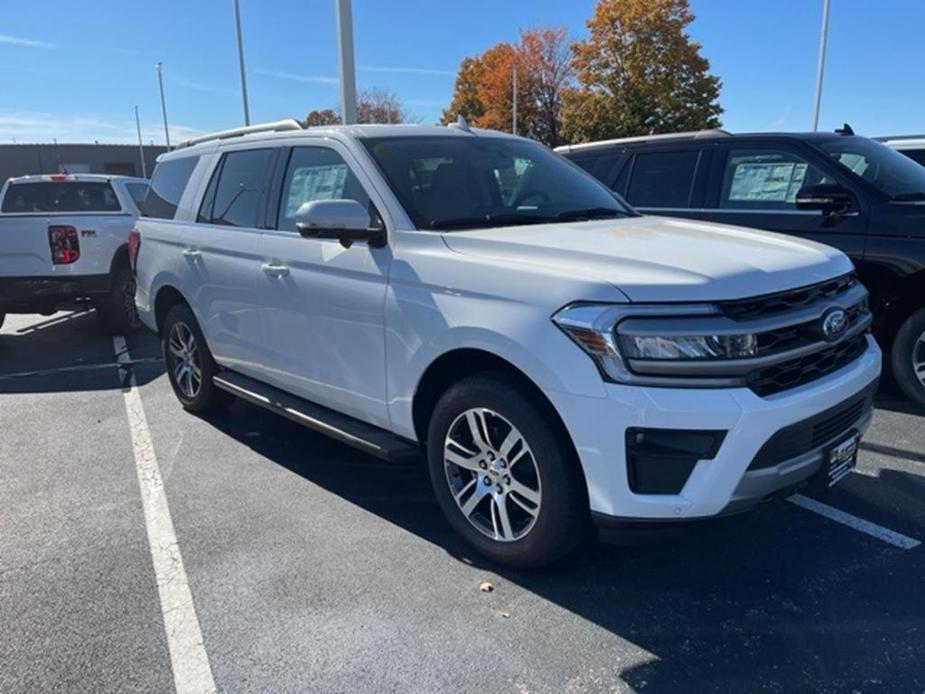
pixel 63 196
pixel 663 179
pixel 236 192
pixel 167 186
pixel 138 191
pixel 915 154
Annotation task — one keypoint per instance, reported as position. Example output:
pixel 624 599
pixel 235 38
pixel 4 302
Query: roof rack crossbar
pixel 276 126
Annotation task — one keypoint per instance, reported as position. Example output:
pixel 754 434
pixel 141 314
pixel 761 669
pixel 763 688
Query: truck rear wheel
pixel 505 478
pixel 190 366
pixel 908 357
pixel 117 309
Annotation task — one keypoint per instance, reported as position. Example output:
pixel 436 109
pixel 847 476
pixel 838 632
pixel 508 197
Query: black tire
pixel 117 309
pixel 2 318
pixel 206 398
pixel 563 518
pixel 909 347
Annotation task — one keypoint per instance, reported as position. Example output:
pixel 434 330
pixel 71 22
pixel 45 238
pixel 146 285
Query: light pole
pixel 348 80
pixel 514 98
pixel 823 39
pixel 160 81
pixel 237 23
pixel 141 148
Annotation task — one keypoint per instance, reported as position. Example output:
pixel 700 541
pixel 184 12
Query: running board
pixel 365 437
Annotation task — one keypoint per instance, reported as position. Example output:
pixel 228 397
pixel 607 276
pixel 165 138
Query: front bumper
pixel 723 484
pixel 47 294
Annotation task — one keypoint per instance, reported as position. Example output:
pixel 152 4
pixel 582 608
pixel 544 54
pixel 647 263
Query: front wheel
pixel 908 357
pixel 190 366
pixel 506 478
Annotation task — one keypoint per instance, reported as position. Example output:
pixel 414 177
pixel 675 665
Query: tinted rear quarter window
pixel 236 196
pixel 662 179
pixel 167 186
pixel 60 197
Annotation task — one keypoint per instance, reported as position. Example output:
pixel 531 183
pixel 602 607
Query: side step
pixel 366 437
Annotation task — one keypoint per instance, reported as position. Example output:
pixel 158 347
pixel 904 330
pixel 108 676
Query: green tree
pixel 639 73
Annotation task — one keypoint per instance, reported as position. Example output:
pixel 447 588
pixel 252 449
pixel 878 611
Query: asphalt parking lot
pixel 314 568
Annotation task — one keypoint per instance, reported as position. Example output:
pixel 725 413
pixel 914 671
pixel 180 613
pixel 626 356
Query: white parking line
pixel 889 536
pixel 188 658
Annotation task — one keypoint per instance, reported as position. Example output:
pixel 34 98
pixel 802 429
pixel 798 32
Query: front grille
pixel 806 436
pixel 796 372
pixel 782 302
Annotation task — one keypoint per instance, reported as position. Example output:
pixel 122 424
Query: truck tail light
pixel 134 245
pixel 64 244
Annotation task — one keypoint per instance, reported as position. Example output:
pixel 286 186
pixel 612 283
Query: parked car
pixel 64 245
pixel 835 188
pixel 913 146
pixel 558 357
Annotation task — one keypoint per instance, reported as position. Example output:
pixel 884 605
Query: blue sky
pixel 73 71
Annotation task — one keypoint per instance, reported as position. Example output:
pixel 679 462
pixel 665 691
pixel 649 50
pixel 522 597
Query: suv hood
pixel 661 259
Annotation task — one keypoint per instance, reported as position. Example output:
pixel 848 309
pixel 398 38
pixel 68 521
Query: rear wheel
pixel 190 366
pixel 117 309
pixel 508 482
pixel 908 357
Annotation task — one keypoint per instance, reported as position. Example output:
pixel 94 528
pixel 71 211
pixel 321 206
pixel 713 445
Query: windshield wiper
pixel 908 197
pixel 509 219
pixel 592 213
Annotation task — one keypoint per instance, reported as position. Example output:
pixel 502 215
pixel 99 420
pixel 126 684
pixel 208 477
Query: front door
pixel 755 185
pixel 322 304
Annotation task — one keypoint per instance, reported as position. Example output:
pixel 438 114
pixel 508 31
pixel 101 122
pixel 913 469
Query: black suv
pixel 836 188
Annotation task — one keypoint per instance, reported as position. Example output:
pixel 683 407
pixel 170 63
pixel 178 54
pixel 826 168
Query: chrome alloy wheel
pixel 918 359
pixel 184 360
pixel 492 474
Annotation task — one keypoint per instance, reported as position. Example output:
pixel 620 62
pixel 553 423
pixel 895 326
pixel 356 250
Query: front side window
pixel 236 192
pixel 884 168
pixel 316 173
pixel 167 186
pixel 663 179
pixel 765 179
pixel 61 196
pixel 472 181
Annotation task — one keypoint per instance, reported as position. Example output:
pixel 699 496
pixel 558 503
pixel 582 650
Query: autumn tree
pixel 640 73
pixel 373 106
pixel 484 89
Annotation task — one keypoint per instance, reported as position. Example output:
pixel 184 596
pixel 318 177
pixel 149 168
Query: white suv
pixel 560 358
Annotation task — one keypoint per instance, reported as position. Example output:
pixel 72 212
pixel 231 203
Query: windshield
pixel 468 182
pixel 888 170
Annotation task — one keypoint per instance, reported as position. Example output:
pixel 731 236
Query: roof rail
pixel 694 135
pixel 899 138
pixel 276 126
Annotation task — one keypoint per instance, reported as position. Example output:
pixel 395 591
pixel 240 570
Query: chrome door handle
pixel 192 254
pixel 275 270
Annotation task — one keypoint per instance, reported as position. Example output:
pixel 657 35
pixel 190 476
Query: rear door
pixel 664 180
pixel 90 210
pixel 219 259
pixel 754 183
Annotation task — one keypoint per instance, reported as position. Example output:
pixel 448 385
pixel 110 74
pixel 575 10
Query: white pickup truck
pixel 64 245
pixel 558 358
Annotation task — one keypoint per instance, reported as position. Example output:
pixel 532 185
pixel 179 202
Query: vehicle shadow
pixel 69 351
pixel 777 599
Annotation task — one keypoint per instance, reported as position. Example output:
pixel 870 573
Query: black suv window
pixel 765 179
pixel 915 155
pixel 316 173
pixel 167 186
pixel 663 179
pixel 236 191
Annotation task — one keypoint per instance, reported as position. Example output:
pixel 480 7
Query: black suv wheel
pixel 908 357
pixel 507 481
pixel 190 366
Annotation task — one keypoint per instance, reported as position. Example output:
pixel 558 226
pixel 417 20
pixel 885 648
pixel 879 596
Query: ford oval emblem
pixel 834 323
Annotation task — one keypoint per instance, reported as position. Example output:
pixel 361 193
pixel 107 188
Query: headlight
pixel 614 334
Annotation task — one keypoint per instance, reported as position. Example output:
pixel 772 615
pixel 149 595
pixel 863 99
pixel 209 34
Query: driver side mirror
pixel 830 198
pixel 346 221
